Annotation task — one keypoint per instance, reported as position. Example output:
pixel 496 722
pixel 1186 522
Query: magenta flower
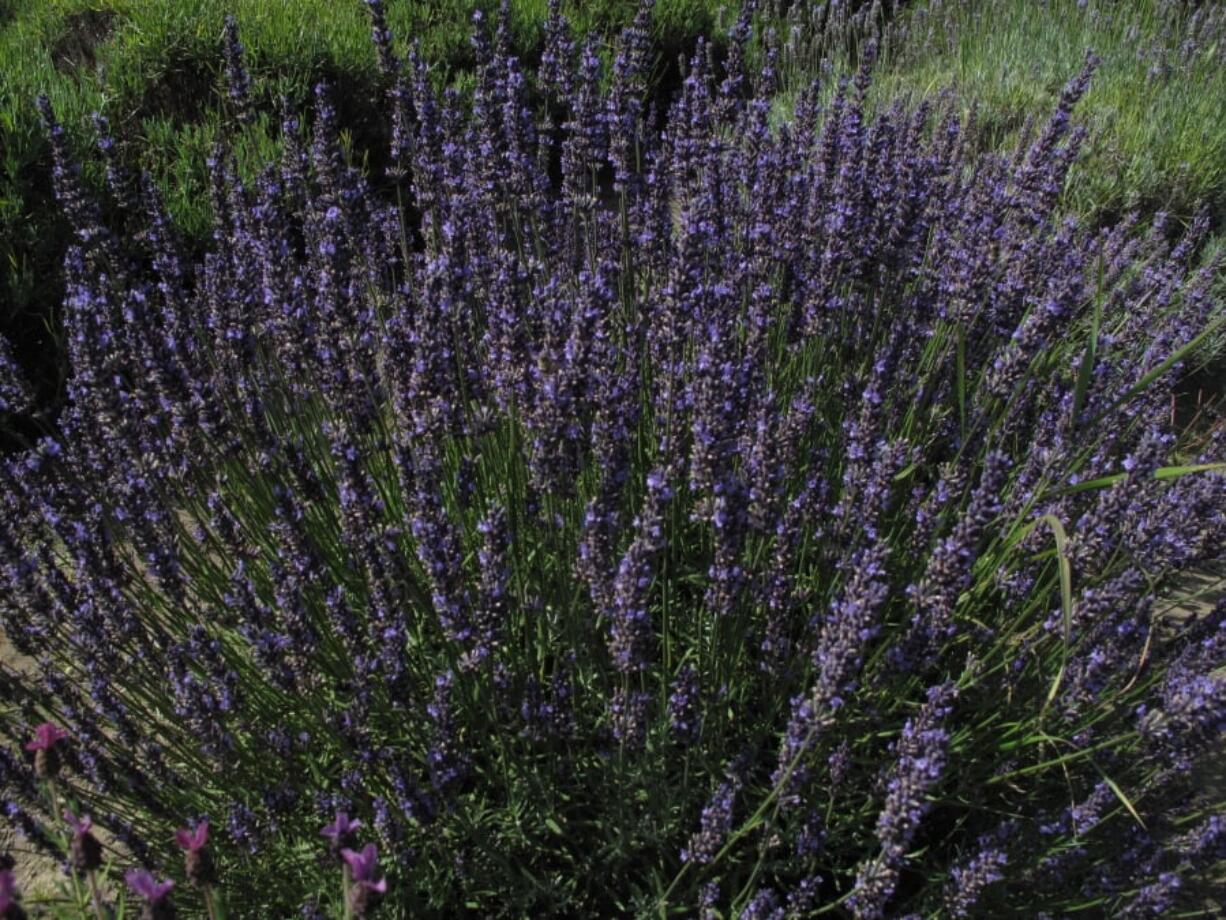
pixel 144 884
pixel 197 862
pixel 340 829
pixel 362 868
pixel 46 736
pixel 8 891
pixel 80 826
pixel 193 840
pixel 85 851
pixel 340 833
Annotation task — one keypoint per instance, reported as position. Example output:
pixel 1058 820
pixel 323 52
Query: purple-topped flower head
pixel 365 887
pixel 80 826
pixel 9 908
pixel 15 393
pixel 158 904
pixel 684 712
pixel 192 839
pixel 85 850
pixel 238 81
pixel 340 832
pixel 715 824
pixel 144 884
pixel 362 864
pixel 47 737
pixel 197 861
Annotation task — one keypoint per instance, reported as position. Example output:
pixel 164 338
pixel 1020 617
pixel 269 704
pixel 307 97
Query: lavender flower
pixel 840 648
pixel 158 904
pixel 714 826
pixel 340 832
pixel 684 714
pixel 630 628
pixel 365 888
pixel 10 909
pixel 45 745
pixel 446 760
pixel 629 711
pixel 238 82
pixel 921 758
pixel 197 860
pixel 969 879
pixel 764 905
pixel 15 394
pixel 85 850
pixel 1155 899
pixel 493 603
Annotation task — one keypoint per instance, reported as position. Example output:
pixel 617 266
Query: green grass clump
pixel 1157 139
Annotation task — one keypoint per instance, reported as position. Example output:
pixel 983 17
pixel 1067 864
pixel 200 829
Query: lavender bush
pixel 647 512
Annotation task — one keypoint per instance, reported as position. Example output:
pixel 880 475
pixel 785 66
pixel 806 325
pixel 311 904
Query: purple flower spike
pixel 46 758
pixel 46 737
pixel 366 889
pixel 80 826
pixel 340 833
pixel 362 865
pixel 340 829
pixel 144 884
pixel 193 840
pixel 8 892
pixel 85 851
pixel 198 863
pixel 15 393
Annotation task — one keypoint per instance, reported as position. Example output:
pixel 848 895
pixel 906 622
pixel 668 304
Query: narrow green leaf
pixel 1090 356
pixel 961 381
pixel 1163 472
pixel 1066 599
pixel 1119 794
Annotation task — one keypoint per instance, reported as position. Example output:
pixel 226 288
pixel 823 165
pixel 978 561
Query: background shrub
pixel 648 512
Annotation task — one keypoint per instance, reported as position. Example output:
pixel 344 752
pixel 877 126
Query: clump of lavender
pixel 668 509
pixel 922 755
pixel 15 393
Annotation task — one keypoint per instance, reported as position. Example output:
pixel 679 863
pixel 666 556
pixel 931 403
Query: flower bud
pixel 85 853
pixel 46 764
pixel 199 868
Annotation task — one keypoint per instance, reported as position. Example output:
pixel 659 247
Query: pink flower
pixel 144 884
pixel 193 840
pixel 86 851
pixel 362 868
pixel 46 736
pixel 8 891
pixel 80 826
pixel 340 829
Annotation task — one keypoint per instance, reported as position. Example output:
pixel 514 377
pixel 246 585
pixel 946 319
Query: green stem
pixel 95 895
pixel 57 815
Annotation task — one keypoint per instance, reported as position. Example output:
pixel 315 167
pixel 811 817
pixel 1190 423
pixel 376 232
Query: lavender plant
pixel 648 512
